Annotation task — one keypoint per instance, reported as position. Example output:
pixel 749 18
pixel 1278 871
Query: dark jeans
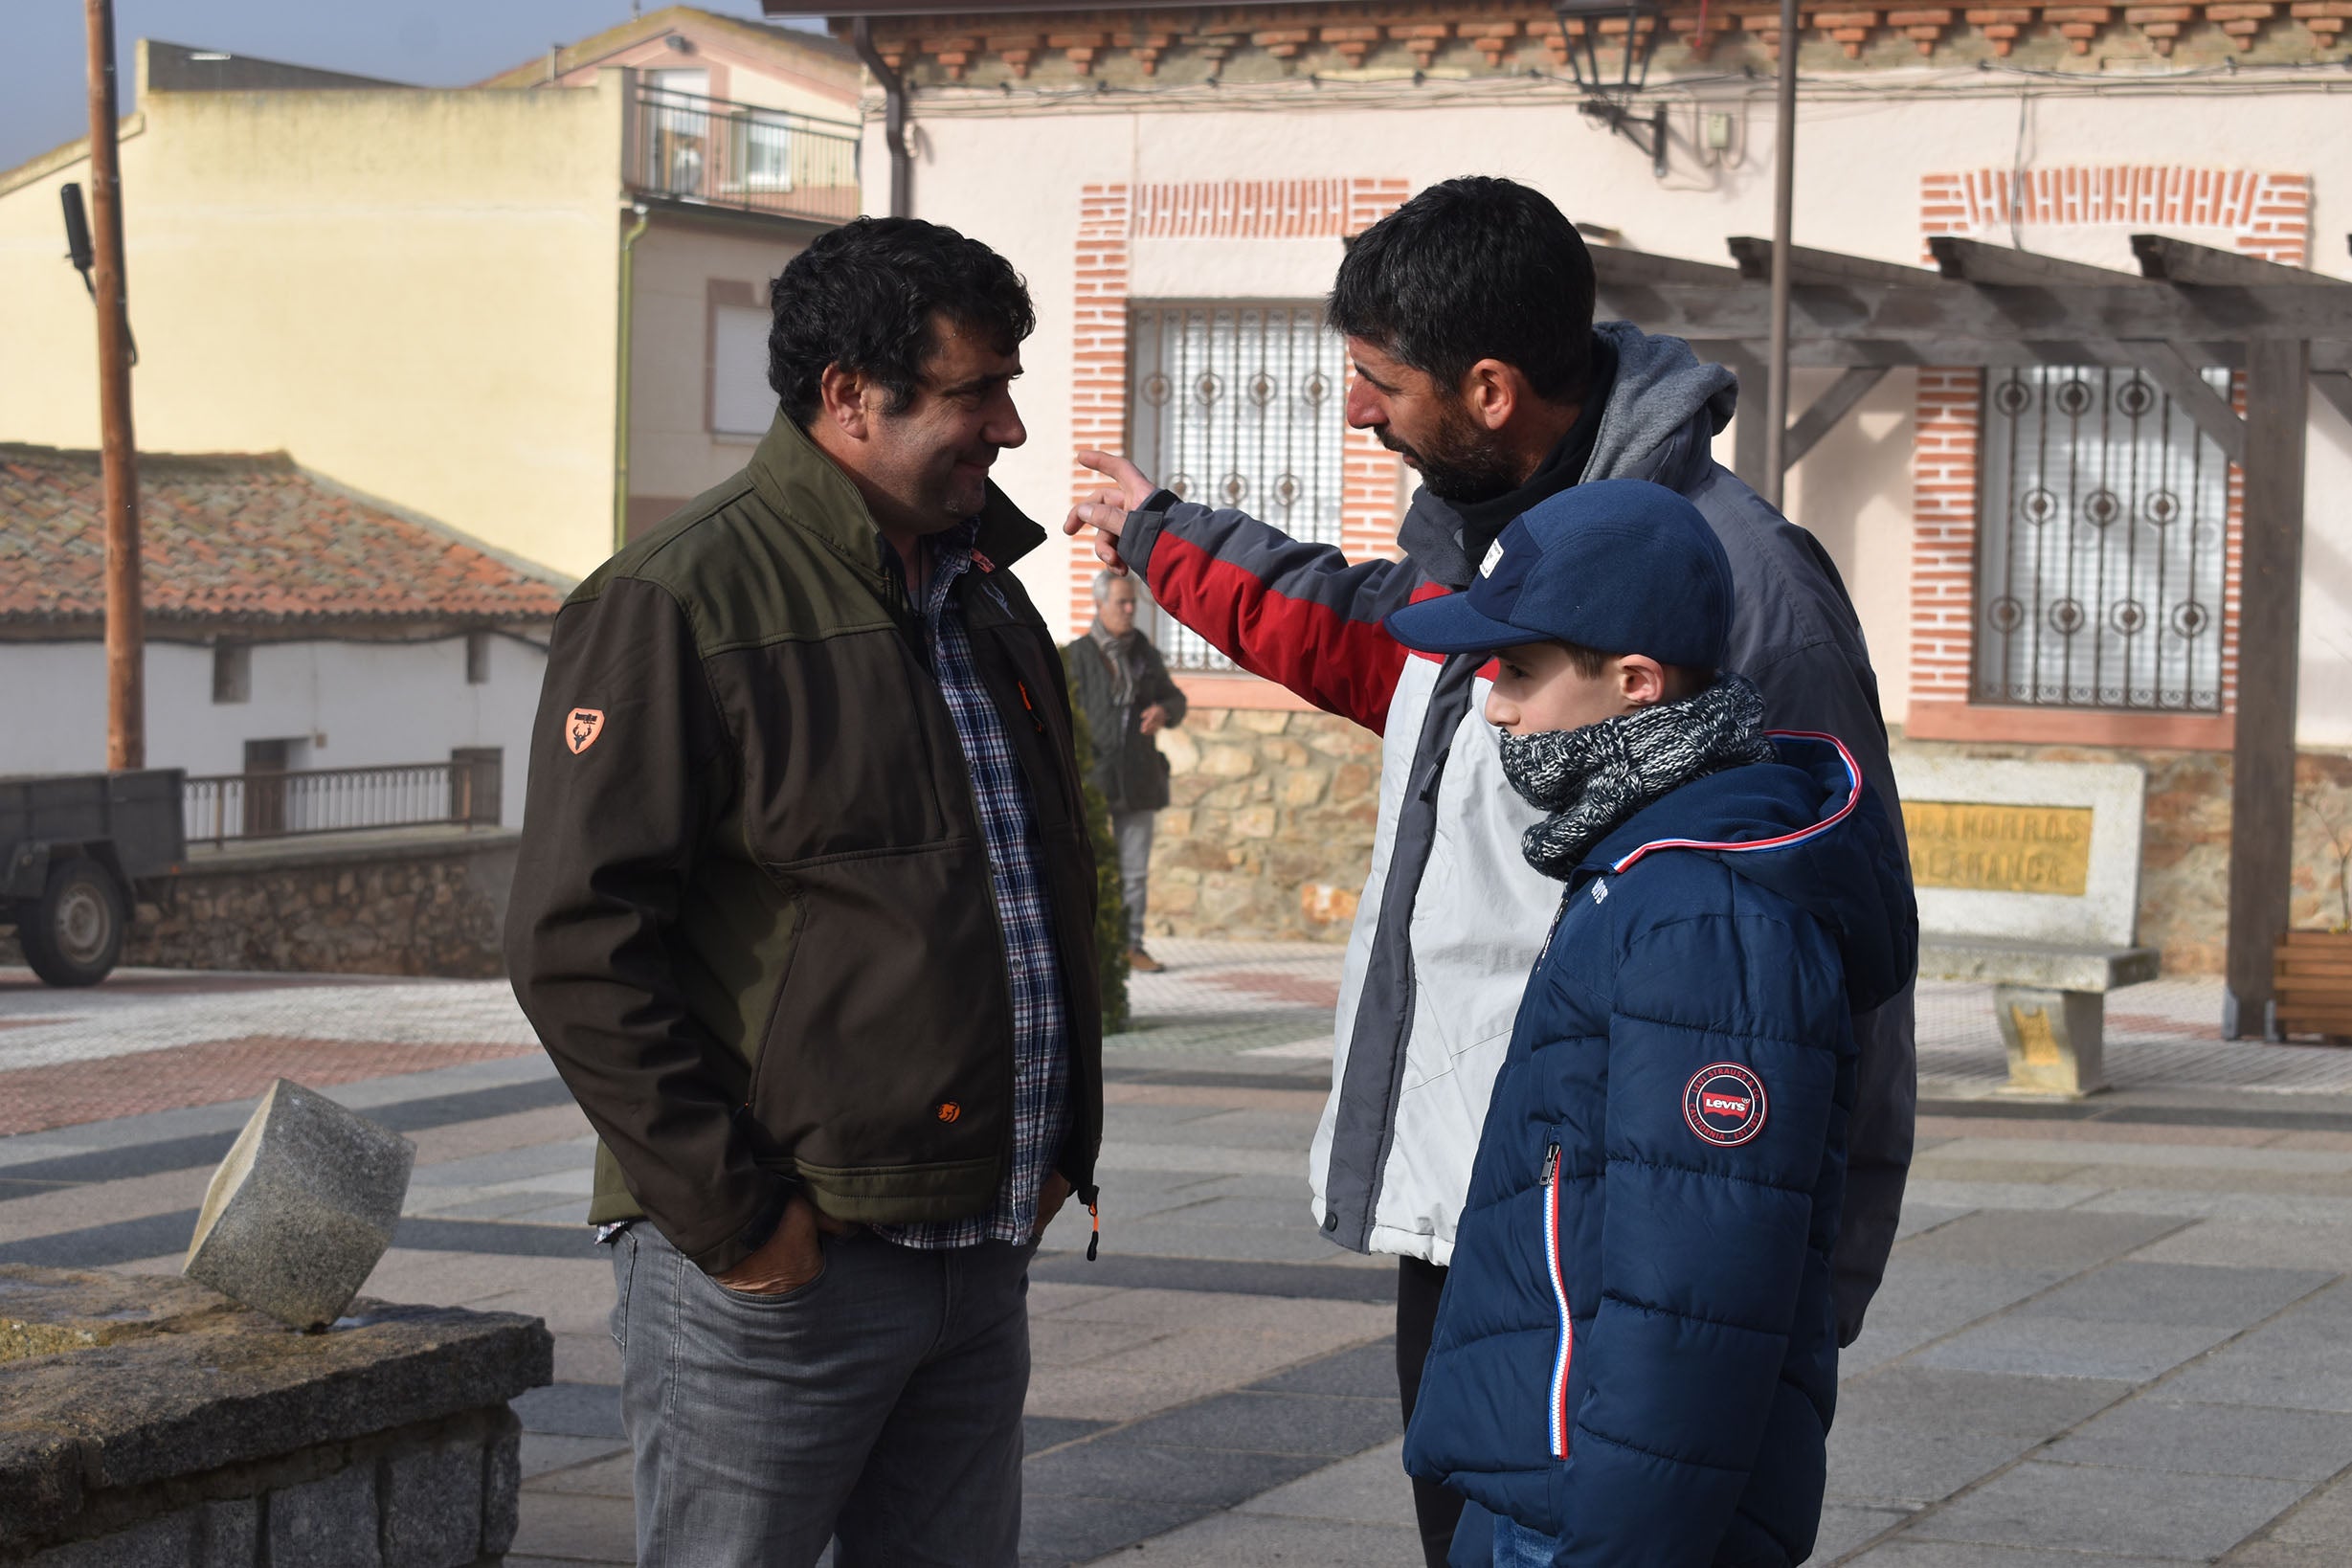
pixel 879 1403
pixel 1418 1284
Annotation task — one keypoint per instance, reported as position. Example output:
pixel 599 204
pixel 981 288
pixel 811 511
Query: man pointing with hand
pixel 1468 315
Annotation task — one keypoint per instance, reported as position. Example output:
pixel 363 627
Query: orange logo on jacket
pixel 948 1110
pixel 582 727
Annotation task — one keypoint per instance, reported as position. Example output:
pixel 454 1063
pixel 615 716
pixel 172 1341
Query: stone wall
pixel 2185 846
pixel 411 902
pixel 150 1420
pixel 1268 831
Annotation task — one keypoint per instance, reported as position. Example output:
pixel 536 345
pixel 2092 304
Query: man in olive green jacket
pixel 804 916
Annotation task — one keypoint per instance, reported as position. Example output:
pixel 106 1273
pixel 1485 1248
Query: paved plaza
pixel 2115 1332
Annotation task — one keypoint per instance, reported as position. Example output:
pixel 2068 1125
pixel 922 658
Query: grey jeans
pixel 880 1403
pixel 1133 829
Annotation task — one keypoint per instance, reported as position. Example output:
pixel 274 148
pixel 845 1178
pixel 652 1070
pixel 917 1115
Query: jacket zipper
pixel 1558 1403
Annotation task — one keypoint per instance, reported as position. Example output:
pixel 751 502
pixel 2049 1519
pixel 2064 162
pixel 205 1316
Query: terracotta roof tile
pixel 243 537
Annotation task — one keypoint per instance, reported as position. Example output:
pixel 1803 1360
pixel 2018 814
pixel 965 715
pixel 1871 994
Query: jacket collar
pixel 809 490
pixel 1815 785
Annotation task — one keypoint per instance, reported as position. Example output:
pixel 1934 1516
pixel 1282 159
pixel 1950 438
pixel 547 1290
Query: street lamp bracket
pixel 1638 23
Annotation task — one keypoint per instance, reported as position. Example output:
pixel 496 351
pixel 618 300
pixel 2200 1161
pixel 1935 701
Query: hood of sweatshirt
pixel 1662 410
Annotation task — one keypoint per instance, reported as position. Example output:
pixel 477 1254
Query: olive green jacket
pixel 752 920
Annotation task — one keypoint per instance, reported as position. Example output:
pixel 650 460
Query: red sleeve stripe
pixel 1344 666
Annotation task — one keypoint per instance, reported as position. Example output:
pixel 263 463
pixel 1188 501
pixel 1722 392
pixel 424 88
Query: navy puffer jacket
pixel 1637 1349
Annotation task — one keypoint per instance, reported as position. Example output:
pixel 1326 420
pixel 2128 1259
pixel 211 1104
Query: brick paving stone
pixel 2086 1508
pixel 2068 1239
pixel 1906 1553
pixel 2152 1434
pixel 2035 1237
pixel 1888 1462
pixel 2176 1293
pixel 2074 1347
pixel 1845 1528
pixel 62 1094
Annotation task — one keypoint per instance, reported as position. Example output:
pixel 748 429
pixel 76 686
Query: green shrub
pixel 1110 898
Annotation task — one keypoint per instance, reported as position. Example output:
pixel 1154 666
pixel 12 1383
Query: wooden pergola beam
pixel 2178 261
pixel 2335 386
pixel 1838 353
pixel 2269 611
pixel 1978 324
pixel 2180 376
pixel 1616 267
pixel 1973 262
pixel 1830 407
pixel 1819 268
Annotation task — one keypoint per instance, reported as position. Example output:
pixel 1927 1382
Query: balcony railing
pixel 268 806
pixel 711 150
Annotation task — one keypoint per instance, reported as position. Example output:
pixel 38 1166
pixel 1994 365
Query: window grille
pixel 2104 544
pixel 1239 405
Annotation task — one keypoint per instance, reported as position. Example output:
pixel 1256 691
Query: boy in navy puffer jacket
pixel 1635 1361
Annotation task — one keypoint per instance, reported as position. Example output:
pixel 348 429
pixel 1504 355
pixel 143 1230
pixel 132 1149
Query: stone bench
pixel 2027 875
pixel 149 1419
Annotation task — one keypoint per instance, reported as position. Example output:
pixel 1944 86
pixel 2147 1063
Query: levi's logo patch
pixel 581 727
pixel 1724 1104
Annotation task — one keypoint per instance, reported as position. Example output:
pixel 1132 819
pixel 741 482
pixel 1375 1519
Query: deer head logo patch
pixel 582 727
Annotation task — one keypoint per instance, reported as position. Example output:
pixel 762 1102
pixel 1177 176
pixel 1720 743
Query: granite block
pixel 424 1525
pixel 302 1209
pixel 328 1523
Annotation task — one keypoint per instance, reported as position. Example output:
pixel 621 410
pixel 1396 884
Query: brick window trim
pixel 1111 217
pixel 1950 721
pixel 2268 216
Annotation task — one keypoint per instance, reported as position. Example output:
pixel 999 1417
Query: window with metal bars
pixel 1237 404
pixel 2103 543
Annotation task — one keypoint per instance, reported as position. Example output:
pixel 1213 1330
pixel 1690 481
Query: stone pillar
pixel 2057 1039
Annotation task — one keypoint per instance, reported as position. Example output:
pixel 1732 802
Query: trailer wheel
pixel 75 934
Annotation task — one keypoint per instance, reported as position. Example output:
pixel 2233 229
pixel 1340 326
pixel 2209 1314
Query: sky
pixel 44 89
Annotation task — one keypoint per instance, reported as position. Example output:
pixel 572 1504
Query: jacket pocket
pixel 1555 1412
pixel 890 1045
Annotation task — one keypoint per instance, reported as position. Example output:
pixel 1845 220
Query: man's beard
pixel 1462 464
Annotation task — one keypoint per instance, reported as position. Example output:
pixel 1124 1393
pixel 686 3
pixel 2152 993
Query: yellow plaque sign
pixel 1999 848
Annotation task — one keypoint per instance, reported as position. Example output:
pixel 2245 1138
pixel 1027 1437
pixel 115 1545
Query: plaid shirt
pixel 1040 1028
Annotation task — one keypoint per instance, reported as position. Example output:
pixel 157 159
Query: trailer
pixel 74 850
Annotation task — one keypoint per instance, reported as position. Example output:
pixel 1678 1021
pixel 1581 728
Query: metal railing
pixel 709 149
pixel 274 805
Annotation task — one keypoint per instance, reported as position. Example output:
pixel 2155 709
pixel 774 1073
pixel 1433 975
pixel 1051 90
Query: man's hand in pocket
pixel 791 1257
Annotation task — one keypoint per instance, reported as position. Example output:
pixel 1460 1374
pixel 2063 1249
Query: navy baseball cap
pixel 1617 565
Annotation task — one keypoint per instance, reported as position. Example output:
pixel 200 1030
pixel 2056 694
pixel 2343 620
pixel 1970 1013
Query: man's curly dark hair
pixel 864 296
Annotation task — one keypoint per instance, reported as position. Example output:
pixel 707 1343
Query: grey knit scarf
pixel 1593 779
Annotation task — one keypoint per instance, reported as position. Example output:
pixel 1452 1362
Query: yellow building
pixel 424 293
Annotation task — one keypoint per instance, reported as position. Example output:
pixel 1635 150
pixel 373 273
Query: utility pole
pixel 126 730
pixel 1784 203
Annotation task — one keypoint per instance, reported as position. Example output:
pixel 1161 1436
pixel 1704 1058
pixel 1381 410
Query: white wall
pixel 1009 171
pixel 358 704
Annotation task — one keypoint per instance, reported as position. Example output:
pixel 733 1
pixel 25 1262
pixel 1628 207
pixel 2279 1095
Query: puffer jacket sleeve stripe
pixel 1723 1076
pixel 1299 614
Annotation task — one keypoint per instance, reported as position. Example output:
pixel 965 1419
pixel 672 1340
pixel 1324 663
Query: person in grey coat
pixel 1122 684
